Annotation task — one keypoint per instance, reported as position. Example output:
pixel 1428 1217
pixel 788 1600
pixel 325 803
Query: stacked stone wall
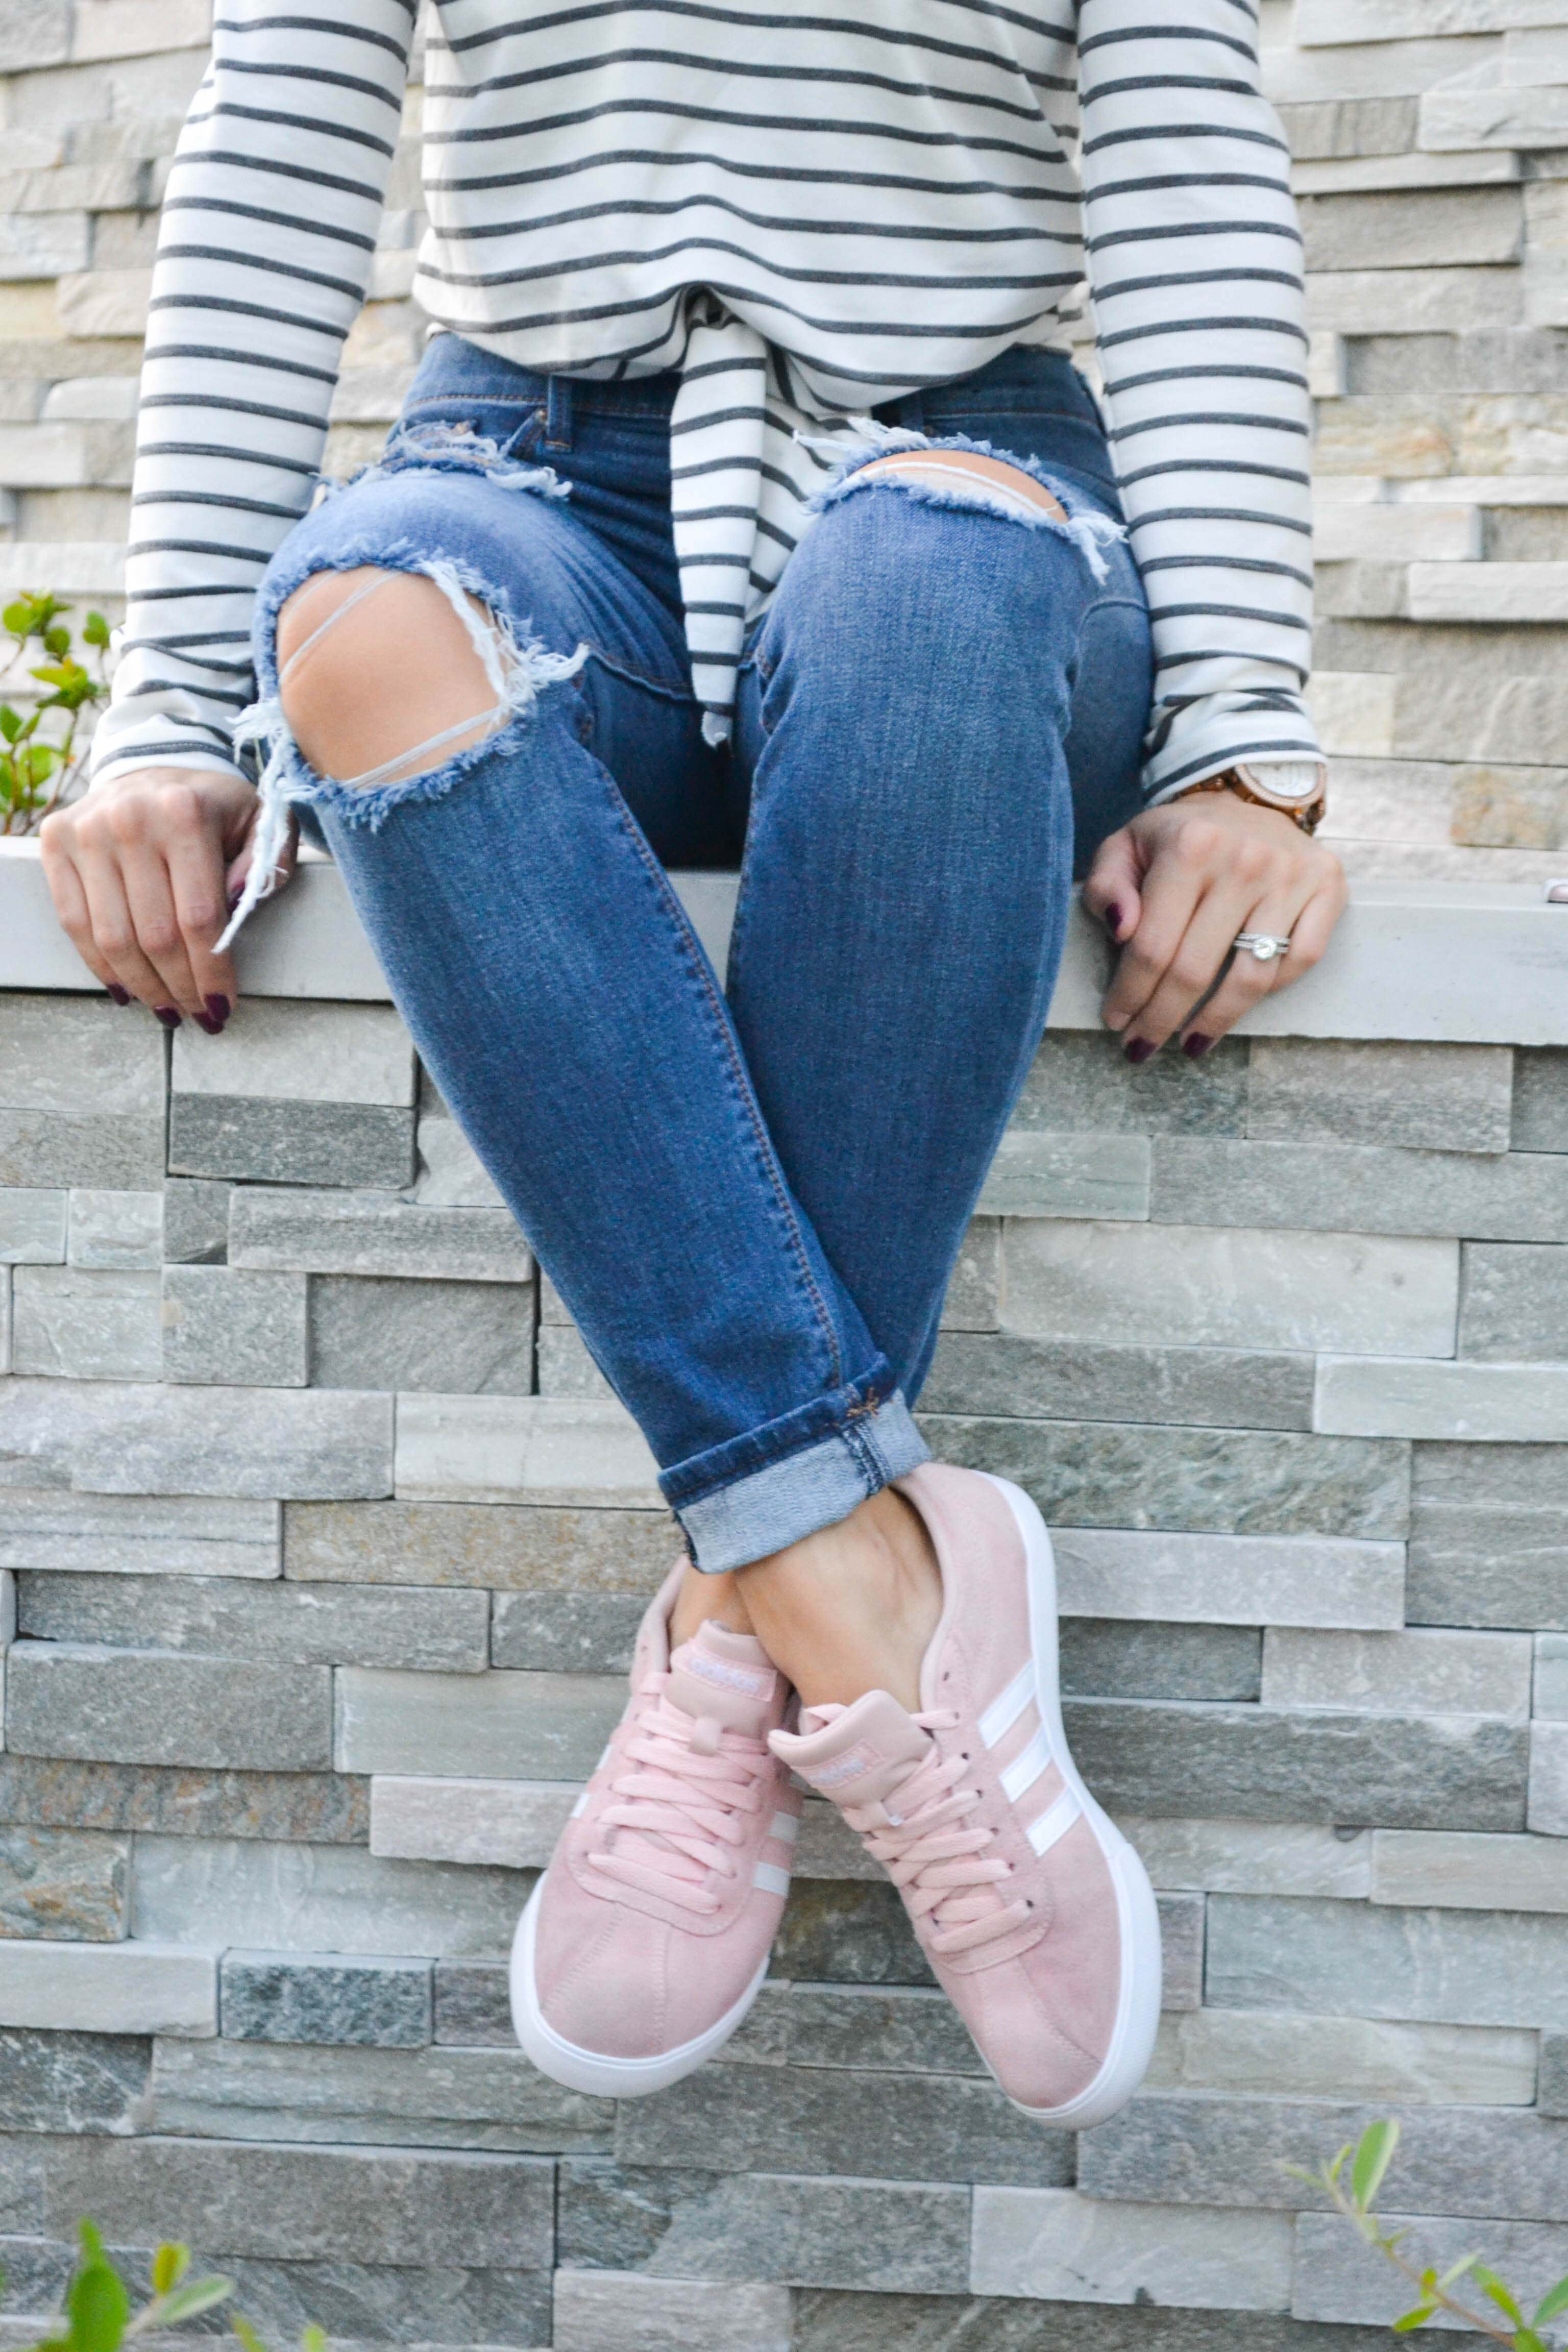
pixel 323 1544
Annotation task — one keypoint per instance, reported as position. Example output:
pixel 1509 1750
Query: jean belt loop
pixel 558 414
pixel 913 412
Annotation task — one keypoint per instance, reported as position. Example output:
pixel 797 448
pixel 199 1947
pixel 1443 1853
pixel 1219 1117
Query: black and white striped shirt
pixel 807 209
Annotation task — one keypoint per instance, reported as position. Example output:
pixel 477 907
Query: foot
pixel 1034 1911
pixel 646 1940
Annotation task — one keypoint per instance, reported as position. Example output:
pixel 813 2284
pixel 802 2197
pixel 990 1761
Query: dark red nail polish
pixel 205 1021
pixel 167 1015
pixel 218 1009
pixel 234 895
pixel 1139 1050
pixel 1113 920
pixel 1195 1044
pixel 120 995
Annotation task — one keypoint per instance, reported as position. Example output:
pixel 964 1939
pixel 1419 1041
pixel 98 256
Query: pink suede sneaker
pixel 1033 1909
pixel 645 1941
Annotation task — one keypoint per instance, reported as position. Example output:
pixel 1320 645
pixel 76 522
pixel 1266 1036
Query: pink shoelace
pixel 923 1835
pixel 682 1792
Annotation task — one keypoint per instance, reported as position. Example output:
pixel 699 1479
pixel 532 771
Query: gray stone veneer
pixel 321 1553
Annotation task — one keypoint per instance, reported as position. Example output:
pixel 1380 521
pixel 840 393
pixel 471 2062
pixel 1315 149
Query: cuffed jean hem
pixel 768 1508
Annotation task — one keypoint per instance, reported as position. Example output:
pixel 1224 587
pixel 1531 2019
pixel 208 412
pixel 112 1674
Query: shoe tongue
pixel 858 1754
pixel 727 1678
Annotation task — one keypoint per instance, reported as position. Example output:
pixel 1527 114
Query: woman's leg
pixel 901 914
pixel 555 989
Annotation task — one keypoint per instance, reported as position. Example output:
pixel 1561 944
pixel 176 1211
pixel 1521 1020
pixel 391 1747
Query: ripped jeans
pixel 750 1196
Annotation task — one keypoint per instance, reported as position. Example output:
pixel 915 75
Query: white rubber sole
pixel 1138 2005
pixel 589 2070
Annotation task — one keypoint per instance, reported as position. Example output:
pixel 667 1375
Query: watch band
pixel 1246 785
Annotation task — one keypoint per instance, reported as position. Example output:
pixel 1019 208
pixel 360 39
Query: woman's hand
pixel 143 871
pixel 1174 887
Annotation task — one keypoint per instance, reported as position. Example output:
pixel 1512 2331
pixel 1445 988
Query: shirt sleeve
pixel 1195 267
pixel 264 249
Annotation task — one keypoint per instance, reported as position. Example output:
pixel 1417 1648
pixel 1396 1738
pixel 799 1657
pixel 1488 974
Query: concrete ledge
pixel 1467 962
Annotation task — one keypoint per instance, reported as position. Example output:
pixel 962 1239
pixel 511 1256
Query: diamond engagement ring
pixel 1264 945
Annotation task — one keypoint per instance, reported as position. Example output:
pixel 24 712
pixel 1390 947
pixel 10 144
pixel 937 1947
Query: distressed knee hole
pixel 383 676
pixel 963 475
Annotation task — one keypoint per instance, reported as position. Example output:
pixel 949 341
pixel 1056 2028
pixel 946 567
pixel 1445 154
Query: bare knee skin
pixel 933 466
pixel 375 668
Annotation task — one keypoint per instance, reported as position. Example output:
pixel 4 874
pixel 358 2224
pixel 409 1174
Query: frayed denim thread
pixel 1085 527
pixel 451 449
pixel 515 670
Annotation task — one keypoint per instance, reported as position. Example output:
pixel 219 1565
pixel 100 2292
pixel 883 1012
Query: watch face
pixel 1255 783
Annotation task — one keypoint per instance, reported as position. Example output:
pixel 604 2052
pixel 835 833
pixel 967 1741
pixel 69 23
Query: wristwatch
pixel 1248 784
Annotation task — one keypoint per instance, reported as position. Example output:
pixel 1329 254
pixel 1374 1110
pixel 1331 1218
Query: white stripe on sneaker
pixel 785 1827
pixel 1003 1713
pixel 1055 1822
pixel 772 1880
pixel 1027 1765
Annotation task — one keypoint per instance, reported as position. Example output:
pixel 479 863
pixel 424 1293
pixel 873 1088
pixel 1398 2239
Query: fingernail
pixel 1195 1044
pixel 167 1015
pixel 205 1021
pixel 1113 920
pixel 235 896
pixel 120 995
pixel 1139 1050
pixel 218 1009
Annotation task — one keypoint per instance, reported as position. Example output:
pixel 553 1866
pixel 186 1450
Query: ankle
pixel 703 1598
pixel 852 1608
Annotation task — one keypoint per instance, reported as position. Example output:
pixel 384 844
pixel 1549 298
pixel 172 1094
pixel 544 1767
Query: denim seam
pixel 761 1141
pixel 635 677
pixel 437 401
pixel 1095 604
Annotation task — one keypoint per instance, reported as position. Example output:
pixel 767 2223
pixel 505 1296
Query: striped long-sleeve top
pixel 808 210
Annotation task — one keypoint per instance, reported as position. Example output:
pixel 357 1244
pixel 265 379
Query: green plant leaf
pixel 1374 2154
pixel 91 2244
pixel 1527 2340
pixel 95 630
pixel 199 2296
pixel 247 2335
pixel 1555 2300
pixel 170 2264
pixel 1412 2319
pixel 1489 2282
pixel 57 642
pixel 10 722
pixel 314 2339
pixel 1456 2270
pixel 1336 2165
pixel 21 616
pixel 96 2306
